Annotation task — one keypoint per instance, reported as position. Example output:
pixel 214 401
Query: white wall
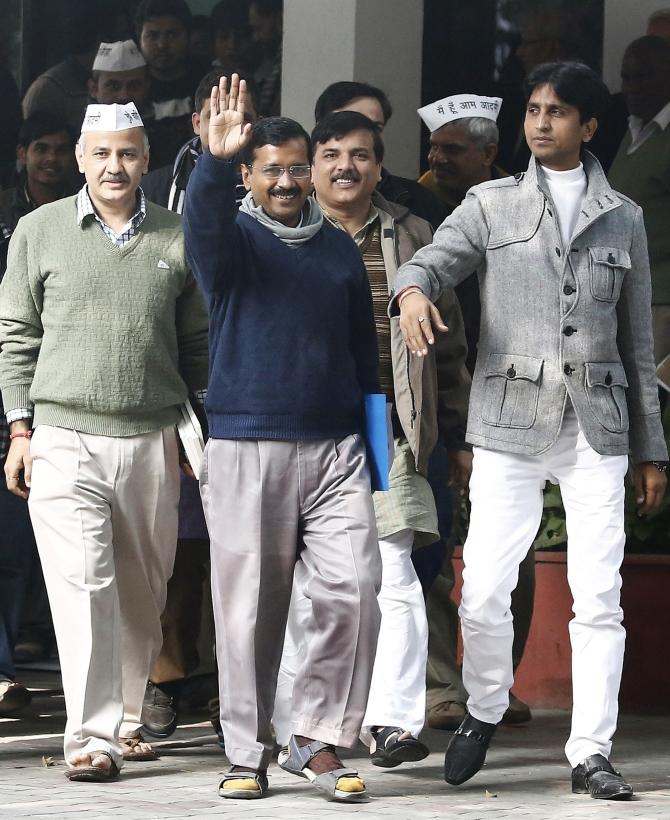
pixel 625 21
pixel 375 41
pixel 318 50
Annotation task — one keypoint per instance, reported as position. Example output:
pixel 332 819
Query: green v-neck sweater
pixel 644 176
pixel 100 339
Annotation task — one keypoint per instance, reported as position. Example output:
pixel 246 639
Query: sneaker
pixel 13 697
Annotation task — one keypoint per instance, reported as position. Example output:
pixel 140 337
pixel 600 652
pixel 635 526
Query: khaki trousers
pixel 104 511
pixel 275 508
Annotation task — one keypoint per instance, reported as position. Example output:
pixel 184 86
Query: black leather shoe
pixel 466 751
pixel 159 716
pixel 597 777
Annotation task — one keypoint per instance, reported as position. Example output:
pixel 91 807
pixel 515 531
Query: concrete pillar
pixel 373 41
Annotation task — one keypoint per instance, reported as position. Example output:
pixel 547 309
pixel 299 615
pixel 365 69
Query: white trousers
pixel 398 688
pixel 506 496
pixel 104 511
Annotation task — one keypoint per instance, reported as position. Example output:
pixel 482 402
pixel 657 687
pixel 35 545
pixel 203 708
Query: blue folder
pixel 378 439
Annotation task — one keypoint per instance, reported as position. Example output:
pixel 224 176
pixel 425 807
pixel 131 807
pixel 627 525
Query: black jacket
pixel 417 199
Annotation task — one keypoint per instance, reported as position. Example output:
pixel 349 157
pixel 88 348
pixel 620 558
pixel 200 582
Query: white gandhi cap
pixel 457 107
pixel 112 117
pixel 123 55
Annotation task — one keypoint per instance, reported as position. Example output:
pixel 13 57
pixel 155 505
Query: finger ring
pixel 422 319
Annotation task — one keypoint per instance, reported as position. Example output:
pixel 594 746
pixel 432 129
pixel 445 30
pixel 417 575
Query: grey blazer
pixel 556 321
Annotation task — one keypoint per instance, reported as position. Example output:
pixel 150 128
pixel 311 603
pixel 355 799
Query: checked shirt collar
pixel 86 210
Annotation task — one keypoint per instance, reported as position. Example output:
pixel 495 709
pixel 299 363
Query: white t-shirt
pixel 567 189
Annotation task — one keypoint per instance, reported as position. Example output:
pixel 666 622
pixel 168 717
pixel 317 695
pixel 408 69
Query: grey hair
pixel 482 130
pixel 80 142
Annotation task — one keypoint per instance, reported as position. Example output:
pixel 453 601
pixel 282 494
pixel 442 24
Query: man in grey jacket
pixel 563 390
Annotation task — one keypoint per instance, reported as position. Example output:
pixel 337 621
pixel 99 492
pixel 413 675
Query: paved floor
pixel 526 776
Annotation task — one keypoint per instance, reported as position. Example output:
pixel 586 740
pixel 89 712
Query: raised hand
pixel 228 132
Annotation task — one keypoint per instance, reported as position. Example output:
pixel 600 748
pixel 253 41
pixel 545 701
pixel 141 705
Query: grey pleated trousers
pixel 274 508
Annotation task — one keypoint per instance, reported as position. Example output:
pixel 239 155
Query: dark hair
pixel 151 9
pixel 204 89
pixel 575 83
pixel 274 131
pixel 337 95
pixel 201 22
pixel 649 46
pixel 40 124
pixel 340 123
pixel 91 28
pixel 230 15
pixel 268 7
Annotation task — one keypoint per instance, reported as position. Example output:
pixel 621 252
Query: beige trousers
pixel 660 318
pixel 104 511
pixel 275 508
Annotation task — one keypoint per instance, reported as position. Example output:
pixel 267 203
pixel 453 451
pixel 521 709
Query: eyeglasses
pixel 277 171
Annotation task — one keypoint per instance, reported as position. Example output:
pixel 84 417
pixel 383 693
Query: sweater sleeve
pixel 21 299
pixel 364 333
pixel 192 336
pixel 209 222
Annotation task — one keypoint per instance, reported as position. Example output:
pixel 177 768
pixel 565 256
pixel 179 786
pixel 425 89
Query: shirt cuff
pixel 18 414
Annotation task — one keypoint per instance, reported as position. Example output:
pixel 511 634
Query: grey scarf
pixel 312 220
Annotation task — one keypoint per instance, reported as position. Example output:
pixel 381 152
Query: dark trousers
pixel 18 553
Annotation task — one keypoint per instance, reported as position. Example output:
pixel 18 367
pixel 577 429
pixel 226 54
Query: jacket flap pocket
pixel 520 224
pixel 512 366
pixel 605 374
pixel 613 257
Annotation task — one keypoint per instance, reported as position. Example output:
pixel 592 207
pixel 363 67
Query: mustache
pixel 347 176
pixel 283 191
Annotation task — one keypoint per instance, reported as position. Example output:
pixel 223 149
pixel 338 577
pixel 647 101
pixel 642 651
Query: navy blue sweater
pixel 292 338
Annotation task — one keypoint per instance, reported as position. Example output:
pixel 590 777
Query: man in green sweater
pixel 641 168
pixel 102 334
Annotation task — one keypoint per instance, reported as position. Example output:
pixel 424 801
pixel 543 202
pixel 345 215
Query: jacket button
pixel 611 259
pixel 608 379
pixel 568 290
pixel 568 370
pixel 568 331
pixel 511 372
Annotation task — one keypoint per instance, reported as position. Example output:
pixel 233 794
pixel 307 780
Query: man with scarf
pixel 293 351
pixel 182 617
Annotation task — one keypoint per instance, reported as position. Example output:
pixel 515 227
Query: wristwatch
pixel 661 466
